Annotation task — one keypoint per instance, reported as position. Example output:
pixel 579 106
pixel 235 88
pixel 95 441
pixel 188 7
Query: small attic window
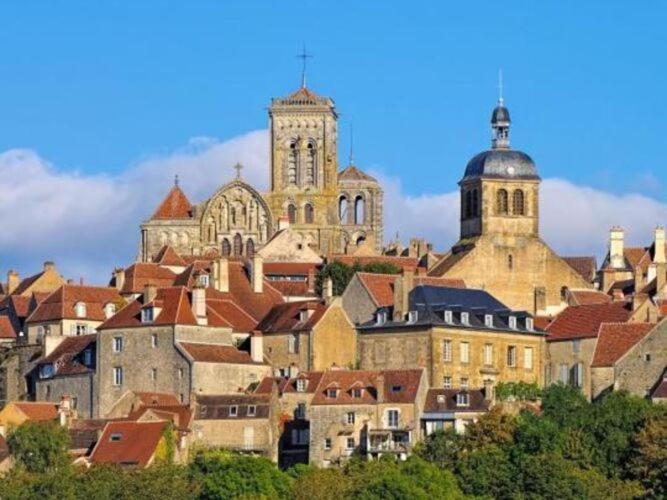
pixel 488 320
pixel 396 388
pixel 448 316
pixel 109 310
pixel 381 318
pixel 357 392
pixel 80 309
pixel 529 324
pixel 301 385
pixel 147 315
pixel 116 436
pixel 412 317
pixel 512 322
pixel 465 318
pixel 441 398
pixel 332 393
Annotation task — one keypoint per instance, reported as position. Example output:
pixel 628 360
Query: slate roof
pixel 136 444
pixel 67 358
pixel 496 163
pixel 213 353
pixel 616 339
pixel 399 386
pixel 444 400
pixel 175 206
pixel 576 322
pixel 381 286
pixel 61 303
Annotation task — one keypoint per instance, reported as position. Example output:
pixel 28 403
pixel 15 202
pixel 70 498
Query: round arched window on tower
pixel 518 201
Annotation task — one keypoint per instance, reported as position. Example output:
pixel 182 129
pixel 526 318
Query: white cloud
pixel 89 223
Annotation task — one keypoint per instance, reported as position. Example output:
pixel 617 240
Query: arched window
pixel 291 213
pixel 501 202
pixel 310 165
pixel 519 207
pixel 238 245
pixel 359 209
pixel 292 162
pixel 226 248
pixel 250 249
pixel 342 209
pixel 361 240
pixel 510 262
pixel 468 210
pixel 475 203
pixel 308 213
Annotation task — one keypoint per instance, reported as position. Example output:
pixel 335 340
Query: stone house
pixel 309 335
pixel 69 370
pixel 131 444
pixel 17 412
pixel 464 338
pixel 367 292
pixel 294 280
pixel 366 412
pixel 453 409
pixel 46 281
pixel 571 341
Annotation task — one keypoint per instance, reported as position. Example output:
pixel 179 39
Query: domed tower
pixel 500 187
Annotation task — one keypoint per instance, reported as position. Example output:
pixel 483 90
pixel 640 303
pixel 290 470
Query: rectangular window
pixel 75 402
pixel 528 358
pixel 488 320
pixel 115 437
pixel 154 340
pixel 350 443
pixel 511 356
pixel 300 436
pixel 293 344
pixel 464 383
pixel 147 315
pixel 118 344
pixel 301 385
pixel 300 411
pixel 512 322
pixel 153 373
pixel 578 375
pixel 447 382
pixel 327 444
pixel 350 417
pixel 448 316
pixel 252 410
pixel 465 352
pixel 562 373
pixel 180 373
pixel 530 325
pixel 412 317
pixel 87 357
pixel 392 418
pixel 462 399
pixel 233 411
pixel 447 350
pixel 81 329
pixel 488 354
pixel 465 318
pixel 117 375
pixel 356 393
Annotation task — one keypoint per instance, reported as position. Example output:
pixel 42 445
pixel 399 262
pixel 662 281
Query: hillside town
pixel 286 325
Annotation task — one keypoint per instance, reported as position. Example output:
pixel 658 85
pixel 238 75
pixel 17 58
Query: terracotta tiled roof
pixel 287 317
pixel 212 353
pixel 226 312
pixel 175 310
pixel 410 263
pixel 633 255
pixel 290 268
pixel 400 386
pixel 587 297
pixel 541 322
pixel 381 286
pixel 352 173
pixel 584 266
pixel 167 256
pixel 660 391
pixel 615 339
pixel 6 328
pixel 175 206
pixel 156 398
pixel 138 275
pixel 444 400
pixel 61 303
pixel 38 411
pixel 179 414
pixel 288 385
pixel 584 321
pixel 293 288
pixel 67 357
pixel 21 304
pixel 128 443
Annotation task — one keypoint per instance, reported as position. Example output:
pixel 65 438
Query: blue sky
pixel 96 88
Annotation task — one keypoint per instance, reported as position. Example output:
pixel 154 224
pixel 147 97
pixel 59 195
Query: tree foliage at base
pixel 341 273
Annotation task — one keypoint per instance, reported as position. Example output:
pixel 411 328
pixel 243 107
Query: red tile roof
pixel 138 275
pixel 615 339
pixel 444 400
pixel 381 286
pixel 38 411
pixel 293 288
pixel 175 206
pixel 288 385
pixel 179 414
pixel 128 443
pixel 66 358
pixel 167 256
pixel 156 398
pixel 399 386
pixel 6 328
pixel 584 321
pixel 212 353
pixel 587 297
pixel 61 303
pixel 287 317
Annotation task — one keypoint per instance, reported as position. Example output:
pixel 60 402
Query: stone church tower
pixel 304 166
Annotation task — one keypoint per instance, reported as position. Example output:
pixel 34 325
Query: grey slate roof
pixel 502 163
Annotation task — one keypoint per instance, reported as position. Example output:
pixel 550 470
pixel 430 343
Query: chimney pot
pixel 49 265
pixel 616 250
pixel 257 273
pixel 13 281
pixel 119 275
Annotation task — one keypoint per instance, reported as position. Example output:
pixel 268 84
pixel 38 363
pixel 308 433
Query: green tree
pixel 39 446
pixel 648 458
pixel 339 273
pixel 566 406
pixel 441 448
pixel 321 484
pixel 487 472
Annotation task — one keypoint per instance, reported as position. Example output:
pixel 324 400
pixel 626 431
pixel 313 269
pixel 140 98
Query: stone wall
pixel 642 367
pixel 250 434
pixel 226 378
pixel 333 340
pixel 276 349
pixel 80 389
pixel 563 352
pixel 357 302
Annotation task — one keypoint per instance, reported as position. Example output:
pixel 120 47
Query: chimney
pixel 403 285
pixel 199 298
pixel 283 223
pixel 293 370
pixel 616 258
pixel 221 274
pixel 49 265
pixel 311 280
pixel 65 410
pixel 150 291
pixel 327 289
pixel 659 252
pixel 13 281
pixel 257 271
pixel 379 387
pixel 119 277
pixel 257 347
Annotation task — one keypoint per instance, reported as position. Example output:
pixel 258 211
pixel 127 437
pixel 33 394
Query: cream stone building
pixel 331 211
pixel 500 249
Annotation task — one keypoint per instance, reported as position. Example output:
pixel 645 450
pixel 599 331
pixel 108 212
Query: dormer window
pixel 396 388
pixel 530 326
pixel 301 385
pixel 357 393
pixel 448 317
pixel 147 315
pixel 462 399
pixel 46 371
pixel 109 310
pixel 80 310
pixel 233 411
pixel 412 317
pixel 465 318
pixel 381 318
pixel 332 393
pixel 87 357
pixel 204 280
pixel 441 398
pixel 512 322
pixel 488 320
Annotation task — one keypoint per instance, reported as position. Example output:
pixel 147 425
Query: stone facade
pixel 79 388
pixel 565 358
pixel 640 369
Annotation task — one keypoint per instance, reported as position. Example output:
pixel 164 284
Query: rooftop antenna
pixel 500 86
pixel 304 56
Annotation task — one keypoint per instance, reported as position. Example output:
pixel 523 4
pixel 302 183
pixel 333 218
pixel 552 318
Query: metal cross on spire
pixel 500 86
pixel 176 180
pixel 304 56
pixel 238 167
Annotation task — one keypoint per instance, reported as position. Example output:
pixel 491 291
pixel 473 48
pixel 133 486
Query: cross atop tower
pixel 238 167
pixel 176 180
pixel 304 56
